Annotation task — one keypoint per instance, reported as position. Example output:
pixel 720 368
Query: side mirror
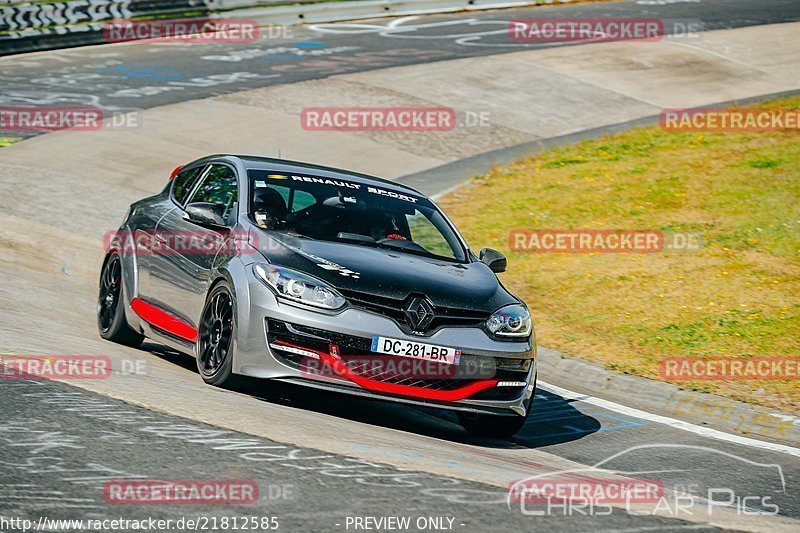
pixel 494 260
pixel 205 214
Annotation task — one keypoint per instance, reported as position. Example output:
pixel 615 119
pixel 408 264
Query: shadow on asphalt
pixel 554 420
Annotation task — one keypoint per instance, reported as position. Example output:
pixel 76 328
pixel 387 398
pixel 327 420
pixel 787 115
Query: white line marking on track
pixel 672 422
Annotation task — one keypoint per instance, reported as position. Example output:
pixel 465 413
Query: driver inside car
pixel 386 228
pixel 269 208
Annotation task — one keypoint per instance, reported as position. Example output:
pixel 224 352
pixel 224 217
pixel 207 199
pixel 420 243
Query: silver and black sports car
pixel 321 277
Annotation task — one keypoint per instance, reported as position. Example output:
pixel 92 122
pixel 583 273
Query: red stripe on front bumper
pixel 163 320
pixel 341 369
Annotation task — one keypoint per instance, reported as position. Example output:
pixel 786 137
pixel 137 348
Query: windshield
pixel 343 211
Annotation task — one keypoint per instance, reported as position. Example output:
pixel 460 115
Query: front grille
pixel 394 309
pixel 355 352
pixel 395 370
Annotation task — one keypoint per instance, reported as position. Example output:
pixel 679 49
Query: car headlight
pixel 510 321
pixel 299 287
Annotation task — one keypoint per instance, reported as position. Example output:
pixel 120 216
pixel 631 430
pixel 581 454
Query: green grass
pixel 738 296
pixel 8 141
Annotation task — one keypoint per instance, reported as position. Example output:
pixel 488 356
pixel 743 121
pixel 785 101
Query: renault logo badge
pixel 419 313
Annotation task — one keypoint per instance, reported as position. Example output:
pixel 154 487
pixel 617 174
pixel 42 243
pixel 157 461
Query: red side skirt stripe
pixel 163 320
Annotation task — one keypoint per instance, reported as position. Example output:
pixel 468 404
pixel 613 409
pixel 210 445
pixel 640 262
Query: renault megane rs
pixel 321 277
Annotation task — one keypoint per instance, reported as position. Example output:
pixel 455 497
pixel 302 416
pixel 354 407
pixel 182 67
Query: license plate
pixel 416 350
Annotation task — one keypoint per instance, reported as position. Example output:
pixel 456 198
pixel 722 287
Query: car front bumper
pixel 267 325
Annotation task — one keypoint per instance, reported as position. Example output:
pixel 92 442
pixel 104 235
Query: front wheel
pixel 215 338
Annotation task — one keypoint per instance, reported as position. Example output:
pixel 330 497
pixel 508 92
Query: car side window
pixel 182 184
pixel 218 187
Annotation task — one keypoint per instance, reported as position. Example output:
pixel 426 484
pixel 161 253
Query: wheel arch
pixel 233 273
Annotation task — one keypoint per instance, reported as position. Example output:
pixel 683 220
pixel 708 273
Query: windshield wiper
pixel 355 237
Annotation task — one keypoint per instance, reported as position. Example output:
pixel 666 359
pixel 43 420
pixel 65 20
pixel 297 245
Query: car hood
pixel 387 273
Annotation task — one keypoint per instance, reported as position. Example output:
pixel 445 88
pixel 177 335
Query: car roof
pixel 285 165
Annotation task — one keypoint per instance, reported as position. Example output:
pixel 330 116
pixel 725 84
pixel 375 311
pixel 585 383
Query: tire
pixel 111 321
pixel 215 338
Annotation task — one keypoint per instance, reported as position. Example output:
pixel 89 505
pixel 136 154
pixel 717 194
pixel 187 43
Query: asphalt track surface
pixel 62 444
pixel 131 76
